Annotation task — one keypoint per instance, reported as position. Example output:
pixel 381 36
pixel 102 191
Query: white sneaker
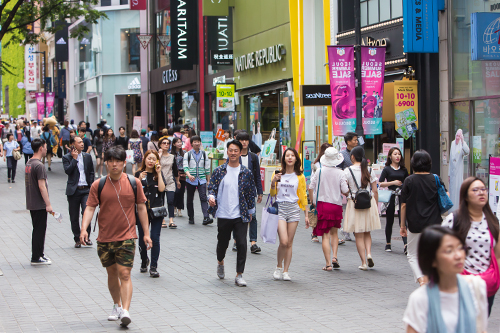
pixel 239 281
pixel 286 277
pixel 277 275
pixel 115 313
pixel 125 318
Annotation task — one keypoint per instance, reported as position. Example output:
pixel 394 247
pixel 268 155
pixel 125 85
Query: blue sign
pixel 485 36
pixel 420 25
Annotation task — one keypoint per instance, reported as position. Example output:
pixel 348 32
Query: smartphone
pixel 276 172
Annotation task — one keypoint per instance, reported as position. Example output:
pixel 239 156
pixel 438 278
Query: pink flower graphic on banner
pixel 369 104
pixel 341 97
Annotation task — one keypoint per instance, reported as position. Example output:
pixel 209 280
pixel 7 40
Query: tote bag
pixel 268 225
pixel 130 156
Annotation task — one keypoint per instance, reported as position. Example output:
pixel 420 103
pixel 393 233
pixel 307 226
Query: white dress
pixel 456 170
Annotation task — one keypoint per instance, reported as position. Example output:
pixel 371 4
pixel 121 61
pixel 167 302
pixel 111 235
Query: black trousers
pixel 202 191
pixel 39 221
pixel 170 203
pixel 389 217
pixel 76 203
pixel 27 157
pixel 179 195
pixel 64 144
pixel 239 229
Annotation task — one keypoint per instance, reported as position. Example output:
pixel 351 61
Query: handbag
pixel 491 276
pixel 362 198
pixel 268 225
pixel 130 156
pixel 313 212
pixel 384 196
pixel 16 154
pixel 444 200
pixel 158 212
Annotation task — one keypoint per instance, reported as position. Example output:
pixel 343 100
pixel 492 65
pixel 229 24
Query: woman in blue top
pixel 26 144
pixel 9 147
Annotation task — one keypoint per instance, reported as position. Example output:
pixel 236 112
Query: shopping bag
pixel 384 196
pixel 130 156
pixel 268 227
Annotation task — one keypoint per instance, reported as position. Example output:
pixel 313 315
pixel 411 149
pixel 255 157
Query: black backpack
pixel 362 198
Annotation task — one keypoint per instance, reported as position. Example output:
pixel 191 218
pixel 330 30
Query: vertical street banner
pixel 406 107
pixel 30 67
pixel 50 104
pixel 372 87
pixel 342 86
pixel 420 27
pixel 40 105
pixel 184 23
pixel 494 186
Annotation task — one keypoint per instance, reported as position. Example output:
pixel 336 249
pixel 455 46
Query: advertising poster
pixel 494 185
pixel 33 111
pixel 341 68
pixel 307 158
pixel 225 97
pixel 268 149
pixel 50 103
pixel 401 145
pixel 207 139
pixel 137 125
pixel 387 146
pixel 491 77
pixel 40 103
pixel 372 87
pixel 406 107
pixel 476 149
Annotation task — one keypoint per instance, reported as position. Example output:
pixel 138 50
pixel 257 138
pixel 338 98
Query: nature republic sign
pixel 259 58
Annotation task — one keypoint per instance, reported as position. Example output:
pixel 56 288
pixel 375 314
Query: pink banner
pixel 40 103
pixel 342 85
pixel 372 87
pixel 50 103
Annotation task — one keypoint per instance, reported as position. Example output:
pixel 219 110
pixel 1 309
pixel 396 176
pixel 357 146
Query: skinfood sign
pixel 259 58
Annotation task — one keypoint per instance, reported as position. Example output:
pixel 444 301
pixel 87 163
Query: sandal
pixel 314 238
pixel 164 224
pixel 341 241
pixel 172 225
pixel 335 263
pixel 328 268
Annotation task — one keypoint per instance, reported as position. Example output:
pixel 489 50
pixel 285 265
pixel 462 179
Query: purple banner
pixel 372 87
pixel 50 103
pixel 40 103
pixel 341 68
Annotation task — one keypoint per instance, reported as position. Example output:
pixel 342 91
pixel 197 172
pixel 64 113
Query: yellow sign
pixel 406 107
pixel 225 90
pixel 225 97
pixel 215 8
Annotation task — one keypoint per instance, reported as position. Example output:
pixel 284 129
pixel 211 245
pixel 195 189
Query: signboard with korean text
pixel 406 107
pixel 50 103
pixel 225 97
pixel 30 65
pixel 372 87
pixel 221 58
pixel 485 36
pixel 421 31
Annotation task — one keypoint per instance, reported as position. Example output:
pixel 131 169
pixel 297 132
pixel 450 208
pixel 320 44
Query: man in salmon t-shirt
pixel 117 231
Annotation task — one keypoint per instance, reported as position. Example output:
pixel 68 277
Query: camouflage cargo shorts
pixel 121 253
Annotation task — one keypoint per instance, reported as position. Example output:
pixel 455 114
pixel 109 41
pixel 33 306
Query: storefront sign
pixel 406 107
pixel 135 84
pixel 494 186
pixel 61 38
pixel 40 105
pixel 220 135
pixel 341 69
pixel 485 38
pixel 225 97
pixel 138 4
pixel 259 58
pixel 50 103
pixel 184 34
pixel 30 65
pixel 207 139
pixel 372 86
pixel 60 83
pixel 170 75
pixel 215 7
pixel 476 149
pixel 316 95
pixel 221 58
pixel 421 29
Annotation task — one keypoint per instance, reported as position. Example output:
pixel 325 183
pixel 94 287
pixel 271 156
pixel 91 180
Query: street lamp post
pixel 44 76
pixel 357 48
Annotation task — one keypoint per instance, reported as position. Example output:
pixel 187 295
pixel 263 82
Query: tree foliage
pixel 20 16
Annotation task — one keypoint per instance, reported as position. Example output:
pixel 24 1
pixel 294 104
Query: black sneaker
pixel 388 248
pixel 50 169
pixel 144 266
pixel 207 220
pixel 40 261
pixel 13 181
pixel 235 249
pixel 255 248
pixel 153 272
pixel 191 221
pixel 8 180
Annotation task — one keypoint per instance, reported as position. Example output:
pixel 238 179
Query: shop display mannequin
pixel 458 150
pixel 257 137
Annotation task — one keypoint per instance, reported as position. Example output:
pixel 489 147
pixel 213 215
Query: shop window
pixel 130 50
pixel 105 3
pixel 485 141
pixel 86 65
pixel 123 2
pixel 461 121
pixel 396 8
pixel 162 55
pixel 373 10
pixel 364 13
pixel 385 10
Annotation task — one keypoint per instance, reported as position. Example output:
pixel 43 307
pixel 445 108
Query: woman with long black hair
pixel 361 221
pixel 177 151
pixel 393 176
pixel 477 226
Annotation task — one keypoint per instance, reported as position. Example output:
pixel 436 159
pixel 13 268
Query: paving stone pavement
pixel 71 295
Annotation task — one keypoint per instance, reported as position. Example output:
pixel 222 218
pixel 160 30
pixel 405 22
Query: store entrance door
pixel 132 109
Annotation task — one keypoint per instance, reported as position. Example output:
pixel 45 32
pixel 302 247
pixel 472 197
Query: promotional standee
pixel 406 107
pixel 225 97
pixel 494 191
pixel 458 150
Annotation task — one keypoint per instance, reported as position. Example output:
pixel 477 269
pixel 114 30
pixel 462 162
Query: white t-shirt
pixel 287 188
pixel 478 244
pixel 244 160
pixel 416 312
pixel 356 170
pixel 228 197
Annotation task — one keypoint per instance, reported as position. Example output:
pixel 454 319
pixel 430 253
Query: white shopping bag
pixel 130 156
pixel 268 226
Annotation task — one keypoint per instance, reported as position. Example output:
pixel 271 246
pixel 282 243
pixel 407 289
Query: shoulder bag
pixel 313 212
pixel 444 200
pixel 157 212
pixel 362 198
pixel 16 154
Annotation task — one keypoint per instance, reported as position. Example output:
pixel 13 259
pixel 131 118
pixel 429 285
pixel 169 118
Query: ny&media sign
pixel 485 36
pixel 421 26
pixel 184 34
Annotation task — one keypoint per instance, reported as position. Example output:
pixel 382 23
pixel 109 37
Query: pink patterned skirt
pixel 329 216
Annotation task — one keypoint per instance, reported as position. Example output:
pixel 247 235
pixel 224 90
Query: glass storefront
pixel 162 54
pixel 130 50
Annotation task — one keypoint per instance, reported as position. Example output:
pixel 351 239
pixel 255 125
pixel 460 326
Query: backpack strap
pixel 354 178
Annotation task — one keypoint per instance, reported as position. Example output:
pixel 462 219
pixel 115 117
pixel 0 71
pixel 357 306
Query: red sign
pixel 263 177
pixel 220 135
pixel 32 94
pixel 137 4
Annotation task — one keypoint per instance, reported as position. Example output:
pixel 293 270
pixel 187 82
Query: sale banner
pixel 50 103
pixel 40 105
pixel 342 86
pixel 225 97
pixel 220 135
pixel 491 77
pixel 372 87
pixel 406 107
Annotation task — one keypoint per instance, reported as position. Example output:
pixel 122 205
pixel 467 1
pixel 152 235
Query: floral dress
pixel 107 144
pixel 135 145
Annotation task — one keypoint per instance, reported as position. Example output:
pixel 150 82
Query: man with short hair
pixel 79 167
pixel 144 140
pixel 197 169
pixel 117 195
pixel 37 201
pixel 232 202
pixel 150 131
pixel 87 144
pixel 35 130
pixel 65 135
